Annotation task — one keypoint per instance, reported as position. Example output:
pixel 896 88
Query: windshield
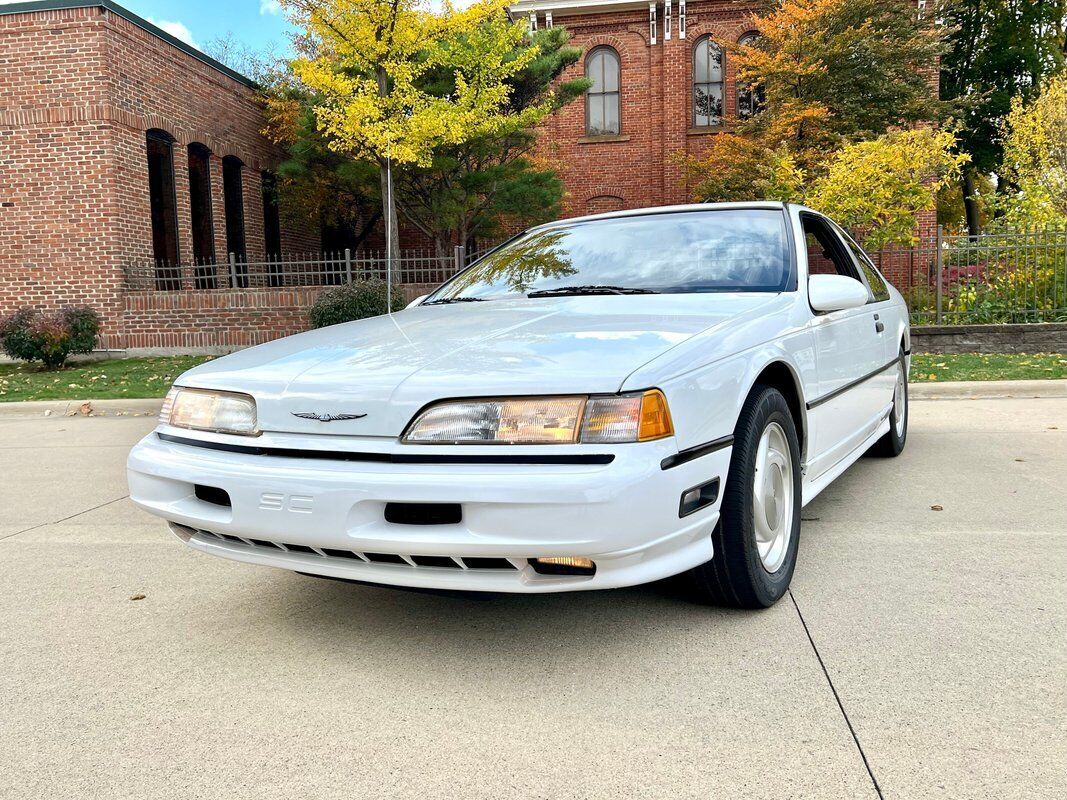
pixel 729 250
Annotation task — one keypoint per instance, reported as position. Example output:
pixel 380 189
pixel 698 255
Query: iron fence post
pixel 348 265
pixel 233 270
pixel 939 270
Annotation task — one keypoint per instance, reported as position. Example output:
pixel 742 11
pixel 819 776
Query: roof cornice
pixel 523 7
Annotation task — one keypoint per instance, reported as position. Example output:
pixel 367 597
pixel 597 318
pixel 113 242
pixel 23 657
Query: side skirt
pixel 812 486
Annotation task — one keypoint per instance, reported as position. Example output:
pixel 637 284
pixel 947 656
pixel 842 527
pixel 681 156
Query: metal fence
pixel 297 270
pixel 956 279
pixel 1018 276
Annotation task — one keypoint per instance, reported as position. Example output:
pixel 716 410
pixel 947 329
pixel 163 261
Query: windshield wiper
pixel 560 291
pixel 446 300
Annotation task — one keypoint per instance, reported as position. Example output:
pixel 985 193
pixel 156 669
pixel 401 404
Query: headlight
pixel 635 417
pixel 205 410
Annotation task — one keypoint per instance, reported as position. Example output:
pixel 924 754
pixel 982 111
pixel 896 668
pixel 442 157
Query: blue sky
pixel 259 24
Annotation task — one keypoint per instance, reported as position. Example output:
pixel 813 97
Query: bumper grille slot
pixel 300 548
pixel 435 561
pixel 488 563
pixel 331 553
pixel 423 513
pixel 384 558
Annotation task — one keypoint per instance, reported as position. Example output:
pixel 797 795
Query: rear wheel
pixel 758 533
pixel 892 444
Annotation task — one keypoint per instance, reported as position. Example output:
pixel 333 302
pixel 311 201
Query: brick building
pixel 120 146
pixel 124 151
pixel 663 85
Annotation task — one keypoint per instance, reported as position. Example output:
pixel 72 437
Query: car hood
pixel 387 368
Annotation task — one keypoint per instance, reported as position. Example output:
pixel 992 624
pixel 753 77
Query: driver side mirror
pixel 835 292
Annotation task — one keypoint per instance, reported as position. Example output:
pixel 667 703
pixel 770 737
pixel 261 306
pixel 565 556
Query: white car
pixel 599 402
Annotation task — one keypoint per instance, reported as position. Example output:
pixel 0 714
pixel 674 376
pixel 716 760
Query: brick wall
pixel 640 167
pixel 81 87
pixel 223 318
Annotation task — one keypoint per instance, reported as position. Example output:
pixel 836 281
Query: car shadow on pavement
pixel 445 626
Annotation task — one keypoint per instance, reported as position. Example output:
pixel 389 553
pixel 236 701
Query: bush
pixel 356 300
pixel 30 335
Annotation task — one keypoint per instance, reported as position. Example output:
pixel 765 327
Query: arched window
pixel 708 69
pixel 233 197
pixel 750 101
pixel 602 99
pixel 200 215
pixel 163 208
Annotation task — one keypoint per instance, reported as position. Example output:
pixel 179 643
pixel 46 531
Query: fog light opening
pixel 698 497
pixel 563 565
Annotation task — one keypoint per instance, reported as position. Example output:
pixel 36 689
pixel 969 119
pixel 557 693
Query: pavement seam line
pixel 65 519
pixel 837 697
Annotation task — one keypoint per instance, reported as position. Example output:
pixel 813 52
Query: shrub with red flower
pixel 28 334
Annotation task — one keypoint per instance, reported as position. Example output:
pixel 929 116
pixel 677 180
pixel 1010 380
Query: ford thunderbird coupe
pixel 599 402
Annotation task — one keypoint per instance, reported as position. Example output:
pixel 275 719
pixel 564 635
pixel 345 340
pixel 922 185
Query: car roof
pixel 641 212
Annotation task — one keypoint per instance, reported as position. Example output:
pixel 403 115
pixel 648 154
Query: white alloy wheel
pixel 772 497
pixel 900 402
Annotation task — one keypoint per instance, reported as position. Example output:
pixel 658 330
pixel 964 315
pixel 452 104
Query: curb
pixel 34 409
pixel 986 390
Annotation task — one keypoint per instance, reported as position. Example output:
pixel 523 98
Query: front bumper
pixel 325 516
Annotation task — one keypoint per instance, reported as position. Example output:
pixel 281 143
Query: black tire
pixel 892 444
pixel 736 576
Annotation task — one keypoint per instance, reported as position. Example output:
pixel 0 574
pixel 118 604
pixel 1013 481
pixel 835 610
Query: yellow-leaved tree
pixel 374 63
pixel 1034 170
pixel 878 187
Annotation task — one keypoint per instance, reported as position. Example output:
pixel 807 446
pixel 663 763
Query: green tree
pixel 839 70
pixel 879 187
pixel 472 189
pixel 368 62
pixel 340 192
pixel 832 72
pixel 998 50
pixel 1035 159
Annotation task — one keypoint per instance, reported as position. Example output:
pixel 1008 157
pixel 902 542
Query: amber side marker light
pixel 655 420
pixel 563 565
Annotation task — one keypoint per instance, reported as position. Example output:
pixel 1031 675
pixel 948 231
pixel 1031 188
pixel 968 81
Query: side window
pixel 874 280
pixel 826 253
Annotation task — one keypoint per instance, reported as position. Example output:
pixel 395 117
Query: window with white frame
pixel 708 70
pixel 602 116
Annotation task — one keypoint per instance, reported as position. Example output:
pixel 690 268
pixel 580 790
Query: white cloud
pixel 175 29
pixel 272 7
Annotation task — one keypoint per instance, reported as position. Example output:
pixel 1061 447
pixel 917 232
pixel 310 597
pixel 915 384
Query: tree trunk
pixel 388 196
pixel 970 203
pixel 389 212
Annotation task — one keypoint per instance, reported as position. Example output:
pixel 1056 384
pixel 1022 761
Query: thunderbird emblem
pixel 326 417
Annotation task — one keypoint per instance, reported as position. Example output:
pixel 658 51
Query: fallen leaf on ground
pixel 85 409
pixel 937 508
pixel 137 597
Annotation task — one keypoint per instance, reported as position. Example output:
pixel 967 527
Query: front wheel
pixel 892 444
pixel 758 533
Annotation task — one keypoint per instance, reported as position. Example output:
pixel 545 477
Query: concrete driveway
pixel 921 653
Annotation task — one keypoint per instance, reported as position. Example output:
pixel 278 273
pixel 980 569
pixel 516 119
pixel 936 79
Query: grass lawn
pixel 987 367
pixel 100 380
pixel 151 377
